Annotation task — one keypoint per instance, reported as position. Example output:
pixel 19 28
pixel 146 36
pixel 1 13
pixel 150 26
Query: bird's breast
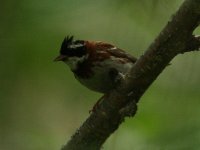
pixel 97 76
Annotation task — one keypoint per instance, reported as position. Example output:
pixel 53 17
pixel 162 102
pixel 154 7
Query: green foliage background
pixel 41 104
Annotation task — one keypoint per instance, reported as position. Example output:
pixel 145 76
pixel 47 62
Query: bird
pixel 97 65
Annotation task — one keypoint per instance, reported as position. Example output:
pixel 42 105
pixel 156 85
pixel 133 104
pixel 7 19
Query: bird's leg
pixel 97 104
pixel 116 77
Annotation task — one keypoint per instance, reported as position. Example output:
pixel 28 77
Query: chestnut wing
pixel 114 51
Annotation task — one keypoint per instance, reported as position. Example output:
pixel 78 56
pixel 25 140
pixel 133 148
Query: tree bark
pixel 176 38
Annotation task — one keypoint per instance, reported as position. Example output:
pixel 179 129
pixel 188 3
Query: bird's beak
pixel 60 58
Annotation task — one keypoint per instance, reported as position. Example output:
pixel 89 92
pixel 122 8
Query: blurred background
pixel 41 103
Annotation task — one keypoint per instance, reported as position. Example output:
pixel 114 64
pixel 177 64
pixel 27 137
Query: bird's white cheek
pixel 72 62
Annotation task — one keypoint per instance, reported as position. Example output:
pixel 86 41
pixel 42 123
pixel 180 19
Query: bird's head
pixel 72 52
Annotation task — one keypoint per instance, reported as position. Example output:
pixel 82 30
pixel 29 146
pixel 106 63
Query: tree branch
pixel 175 38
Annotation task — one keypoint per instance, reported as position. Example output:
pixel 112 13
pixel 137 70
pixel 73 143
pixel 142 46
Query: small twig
pixel 193 44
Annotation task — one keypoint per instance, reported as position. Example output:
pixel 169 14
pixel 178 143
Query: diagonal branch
pixel 175 38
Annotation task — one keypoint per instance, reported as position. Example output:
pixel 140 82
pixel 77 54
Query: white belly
pixel 101 80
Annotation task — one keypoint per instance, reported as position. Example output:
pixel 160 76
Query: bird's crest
pixel 66 42
pixel 72 48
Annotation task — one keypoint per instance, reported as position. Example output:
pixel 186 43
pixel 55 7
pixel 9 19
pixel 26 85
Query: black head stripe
pixel 66 42
pixel 73 48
